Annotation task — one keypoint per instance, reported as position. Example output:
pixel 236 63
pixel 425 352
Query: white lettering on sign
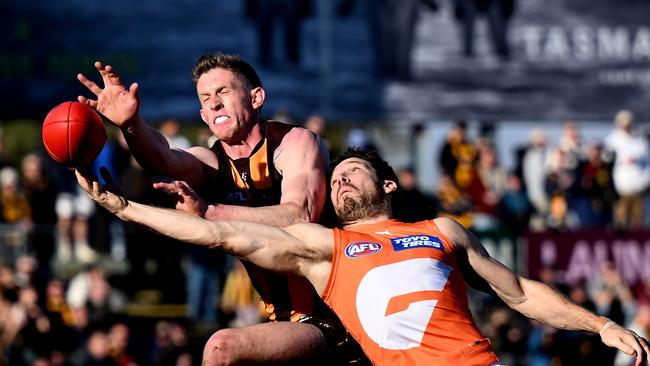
pixel 584 43
pixel 630 257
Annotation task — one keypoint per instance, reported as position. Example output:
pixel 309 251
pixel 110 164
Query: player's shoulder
pixel 203 154
pixel 451 229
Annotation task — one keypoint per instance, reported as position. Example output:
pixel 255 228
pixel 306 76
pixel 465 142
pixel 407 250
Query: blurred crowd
pixel 78 287
pixel 554 185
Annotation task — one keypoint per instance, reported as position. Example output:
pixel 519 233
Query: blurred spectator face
pixel 547 276
pixel 184 359
pixel 32 168
pixel 487 156
pixel 178 334
pixel 170 128
pixel 9 181
pixel 118 337
pixel 28 297
pixel 578 294
pixel 41 362
pixel 558 207
pixel 455 135
pixel 54 289
pixel 624 119
pixel 98 345
pixel 316 124
pixel 571 132
pixel 594 154
pixel 25 264
pixel 514 183
pixel 407 179
pixel 538 138
pixel 7 279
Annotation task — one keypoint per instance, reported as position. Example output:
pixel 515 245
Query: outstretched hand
pixel 114 100
pixel 628 342
pixel 186 199
pixel 113 202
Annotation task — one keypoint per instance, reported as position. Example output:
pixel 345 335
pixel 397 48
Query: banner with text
pixel 577 256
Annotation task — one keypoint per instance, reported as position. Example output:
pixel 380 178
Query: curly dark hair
pixel 232 63
pixel 384 171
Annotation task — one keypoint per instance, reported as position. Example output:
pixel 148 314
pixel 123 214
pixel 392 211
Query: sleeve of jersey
pixel 335 263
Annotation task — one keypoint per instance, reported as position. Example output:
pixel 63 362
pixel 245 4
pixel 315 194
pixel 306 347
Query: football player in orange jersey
pixel 398 288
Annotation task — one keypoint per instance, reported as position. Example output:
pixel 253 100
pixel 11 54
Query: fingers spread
pixel 89 84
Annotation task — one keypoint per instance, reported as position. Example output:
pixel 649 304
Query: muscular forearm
pixel 176 224
pixel 278 215
pixel 266 246
pixel 148 146
pixel 549 306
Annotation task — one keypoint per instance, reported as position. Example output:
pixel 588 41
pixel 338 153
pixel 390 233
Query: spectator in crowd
pixel 452 148
pixel 171 130
pixel 560 185
pixel 453 202
pixel 13 318
pixel 534 174
pixel 41 192
pixel 14 205
pixel 631 171
pixel 515 209
pixel 95 352
pixel 35 336
pixel 60 315
pixel 595 193
pixel 91 290
pixel 239 298
pixel 571 144
pixel 73 211
pixel 118 345
pixel 489 186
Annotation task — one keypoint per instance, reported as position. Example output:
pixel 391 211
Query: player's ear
pixel 389 186
pixel 203 116
pixel 257 97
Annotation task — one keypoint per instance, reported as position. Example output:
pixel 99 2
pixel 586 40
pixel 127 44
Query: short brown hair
pixel 381 167
pixel 232 63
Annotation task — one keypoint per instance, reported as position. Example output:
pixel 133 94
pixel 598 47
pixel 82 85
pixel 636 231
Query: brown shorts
pixel 343 349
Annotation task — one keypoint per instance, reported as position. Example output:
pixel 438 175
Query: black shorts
pixel 343 349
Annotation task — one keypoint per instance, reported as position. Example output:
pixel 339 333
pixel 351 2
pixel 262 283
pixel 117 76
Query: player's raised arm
pixel 121 106
pixel 303 249
pixel 534 299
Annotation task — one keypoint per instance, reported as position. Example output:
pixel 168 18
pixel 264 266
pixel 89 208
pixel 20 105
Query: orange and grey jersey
pixel 254 181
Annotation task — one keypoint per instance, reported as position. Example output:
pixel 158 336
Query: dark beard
pixel 369 204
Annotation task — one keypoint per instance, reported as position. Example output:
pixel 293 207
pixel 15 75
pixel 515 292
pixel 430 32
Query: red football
pixel 73 134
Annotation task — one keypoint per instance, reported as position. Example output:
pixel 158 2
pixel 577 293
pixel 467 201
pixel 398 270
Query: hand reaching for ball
pixel 110 200
pixel 119 104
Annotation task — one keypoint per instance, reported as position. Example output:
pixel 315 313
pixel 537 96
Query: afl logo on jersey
pixel 362 249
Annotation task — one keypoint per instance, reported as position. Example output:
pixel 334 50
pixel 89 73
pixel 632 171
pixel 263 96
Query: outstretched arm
pixel 303 249
pixel 121 106
pixel 534 299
